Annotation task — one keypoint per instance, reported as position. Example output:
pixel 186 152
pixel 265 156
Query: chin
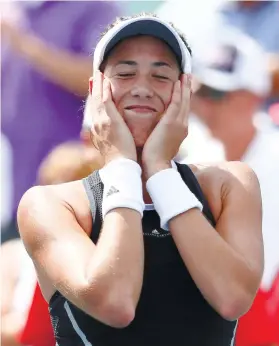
pixel 140 135
pixel 140 129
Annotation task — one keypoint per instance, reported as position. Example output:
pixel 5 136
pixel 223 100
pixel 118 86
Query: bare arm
pixel 226 263
pixel 104 280
pixel 69 70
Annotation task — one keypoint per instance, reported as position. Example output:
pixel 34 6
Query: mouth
pixel 141 108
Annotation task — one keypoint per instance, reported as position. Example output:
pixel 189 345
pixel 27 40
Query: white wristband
pixel 122 186
pixel 170 195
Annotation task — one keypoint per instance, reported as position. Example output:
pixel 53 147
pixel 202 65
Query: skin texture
pixel 67 162
pixel 55 221
pixel 60 66
pixel 141 83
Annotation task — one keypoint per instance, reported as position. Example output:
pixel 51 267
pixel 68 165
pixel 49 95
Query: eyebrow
pixel 134 63
pixel 126 62
pixel 161 63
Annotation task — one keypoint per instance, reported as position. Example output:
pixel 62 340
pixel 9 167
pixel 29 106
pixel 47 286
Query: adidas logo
pixel 156 234
pixel 111 191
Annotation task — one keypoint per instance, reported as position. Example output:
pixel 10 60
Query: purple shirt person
pixel 45 68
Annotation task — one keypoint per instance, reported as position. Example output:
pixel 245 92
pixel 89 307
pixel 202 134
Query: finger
pixel 175 104
pixel 107 95
pixel 186 96
pixel 90 85
pixel 97 90
pixel 109 105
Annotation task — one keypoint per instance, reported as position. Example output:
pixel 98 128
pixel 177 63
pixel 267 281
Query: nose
pixel 142 88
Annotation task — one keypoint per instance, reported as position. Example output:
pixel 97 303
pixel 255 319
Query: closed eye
pixel 126 75
pixel 160 77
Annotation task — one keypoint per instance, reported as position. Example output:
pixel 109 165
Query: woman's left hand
pixel 165 140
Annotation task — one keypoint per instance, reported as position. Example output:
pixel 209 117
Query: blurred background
pixel 46 53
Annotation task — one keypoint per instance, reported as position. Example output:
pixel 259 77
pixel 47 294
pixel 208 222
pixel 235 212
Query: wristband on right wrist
pixel 122 186
pixel 170 195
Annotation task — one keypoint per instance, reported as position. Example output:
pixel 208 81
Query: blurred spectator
pixel 233 82
pixel 259 20
pixel 6 183
pixel 45 70
pixel 274 113
pixel 192 19
pixel 8 224
pixel 200 146
pixel 69 161
pixel 17 290
pixel 24 312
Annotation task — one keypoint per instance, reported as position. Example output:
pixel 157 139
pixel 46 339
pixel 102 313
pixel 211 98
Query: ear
pixel 90 85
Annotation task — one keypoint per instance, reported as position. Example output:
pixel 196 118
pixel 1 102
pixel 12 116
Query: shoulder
pixel 41 202
pixel 61 193
pixel 226 173
pixel 225 181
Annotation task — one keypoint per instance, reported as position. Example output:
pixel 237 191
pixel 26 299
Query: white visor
pixel 150 26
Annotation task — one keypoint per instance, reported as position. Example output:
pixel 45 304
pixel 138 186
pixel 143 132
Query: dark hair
pixel 140 15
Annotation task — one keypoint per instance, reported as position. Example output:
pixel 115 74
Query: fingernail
pixel 90 85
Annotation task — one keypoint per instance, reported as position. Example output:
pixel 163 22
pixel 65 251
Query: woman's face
pixel 142 71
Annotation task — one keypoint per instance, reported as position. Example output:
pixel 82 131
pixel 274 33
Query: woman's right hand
pixel 113 138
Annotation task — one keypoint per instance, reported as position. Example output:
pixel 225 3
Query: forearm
pixel 221 274
pixel 117 266
pixel 116 272
pixel 71 71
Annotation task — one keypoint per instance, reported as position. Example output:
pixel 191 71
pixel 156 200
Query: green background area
pixel 133 7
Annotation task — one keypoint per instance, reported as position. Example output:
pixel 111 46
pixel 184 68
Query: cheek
pixel 118 89
pixel 164 91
